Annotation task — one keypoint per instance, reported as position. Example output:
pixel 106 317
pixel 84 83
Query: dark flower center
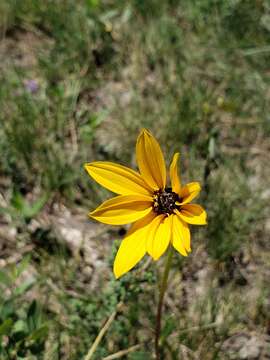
pixel 164 201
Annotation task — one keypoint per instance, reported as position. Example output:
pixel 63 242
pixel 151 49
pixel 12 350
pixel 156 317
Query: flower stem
pixel 162 290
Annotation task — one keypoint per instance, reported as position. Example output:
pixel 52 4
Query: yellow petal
pixel 181 236
pixel 133 246
pixel 152 232
pixel 117 178
pixel 175 180
pixel 189 192
pixel 159 237
pixel 192 214
pixel 123 209
pixel 150 160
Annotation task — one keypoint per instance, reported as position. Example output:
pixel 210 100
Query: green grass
pixel 196 74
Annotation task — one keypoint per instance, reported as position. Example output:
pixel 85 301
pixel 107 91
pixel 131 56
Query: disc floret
pixel 165 201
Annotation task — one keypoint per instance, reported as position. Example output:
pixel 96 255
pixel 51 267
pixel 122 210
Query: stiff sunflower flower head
pixel 160 215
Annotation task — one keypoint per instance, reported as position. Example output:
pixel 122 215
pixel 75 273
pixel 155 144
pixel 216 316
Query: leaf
pixel 92 3
pixel 140 355
pixel 5 278
pixel 212 148
pixel 19 331
pixel 39 334
pixel 24 208
pixel 87 131
pixel 17 201
pixel 23 265
pixel 33 316
pixel 5 327
pixel 31 210
pixel 27 285
pixel 32 309
pixel 7 309
pixel 168 328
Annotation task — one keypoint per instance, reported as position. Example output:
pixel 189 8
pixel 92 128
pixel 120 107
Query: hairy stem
pixel 162 290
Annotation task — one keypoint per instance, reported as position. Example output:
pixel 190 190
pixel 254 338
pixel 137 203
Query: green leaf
pixel 5 327
pixel 32 309
pixel 23 264
pixel 212 148
pixel 17 201
pixel 39 334
pixel 7 309
pixel 33 316
pixel 32 210
pixel 92 3
pixel 5 278
pixel 24 208
pixel 27 285
pixel 19 330
pixel 140 355
pixel 168 328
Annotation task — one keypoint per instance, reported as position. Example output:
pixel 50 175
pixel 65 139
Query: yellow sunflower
pixel 160 214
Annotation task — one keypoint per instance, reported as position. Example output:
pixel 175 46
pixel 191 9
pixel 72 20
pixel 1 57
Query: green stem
pixel 162 290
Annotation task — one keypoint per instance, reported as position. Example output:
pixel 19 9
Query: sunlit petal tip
pixel 90 214
pixel 87 167
pixel 150 160
pixel 117 271
pixel 117 178
pixel 175 179
pixel 144 130
pixel 189 192
pixel 123 209
pixel 116 275
pixel 192 214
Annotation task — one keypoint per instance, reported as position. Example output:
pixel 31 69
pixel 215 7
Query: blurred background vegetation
pixel 78 80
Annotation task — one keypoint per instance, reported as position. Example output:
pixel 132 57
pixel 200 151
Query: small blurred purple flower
pixel 31 85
